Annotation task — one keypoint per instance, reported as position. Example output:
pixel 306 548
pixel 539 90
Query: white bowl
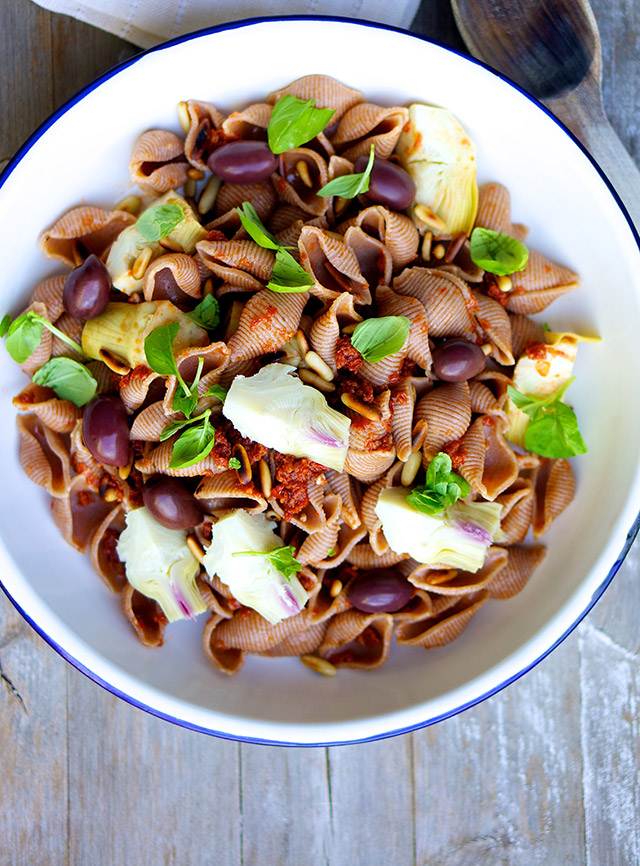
pixel 81 155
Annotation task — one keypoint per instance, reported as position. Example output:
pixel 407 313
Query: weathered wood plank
pixel 501 783
pixel 145 791
pixel 285 806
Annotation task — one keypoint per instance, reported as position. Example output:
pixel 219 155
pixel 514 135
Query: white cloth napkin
pixel 148 22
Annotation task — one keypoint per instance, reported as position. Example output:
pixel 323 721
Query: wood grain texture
pixel 546 772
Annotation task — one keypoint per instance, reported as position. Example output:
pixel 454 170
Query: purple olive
pixel 171 504
pixel 458 360
pixel 165 288
pixel 105 430
pixel 86 290
pixel 389 184
pixel 380 591
pixel 243 162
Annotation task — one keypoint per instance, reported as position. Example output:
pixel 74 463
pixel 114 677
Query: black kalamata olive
pixel 458 360
pixel 389 184
pixel 105 430
pixel 171 504
pixel 380 591
pixel 87 289
pixel 243 162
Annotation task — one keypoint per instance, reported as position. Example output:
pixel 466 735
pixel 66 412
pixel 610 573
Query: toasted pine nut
pixel 110 494
pixel 429 218
pixel 195 174
pixel 418 435
pixel 455 246
pixel 244 472
pixel 313 360
pixel 114 362
pixel 303 343
pixel 125 471
pixel 169 244
pixel 341 279
pixel 311 378
pixel 321 479
pixel 303 173
pixel 340 204
pixel 190 188
pixel 425 251
pixel 129 204
pixel 361 408
pixel 410 469
pixel 183 117
pixel 320 666
pixel 196 548
pixel 336 588
pixel 234 320
pixel 438 251
pixel 504 283
pixel 141 263
pixel 349 329
pixel 265 478
pixel 487 348
pixel 207 287
pixel 209 195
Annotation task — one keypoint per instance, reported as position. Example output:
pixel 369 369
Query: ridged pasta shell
pixel 327 92
pixel 49 292
pixel 494 321
pixel 78 514
pixel 517 511
pixel 364 556
pixel 374 259
pixel 523 561
pixel 540 283
pixel 403 399
pixel 487 462
pixel 449 302
pixel 299 194
pixel 249 631
pixel 366 124
pixel 395 230
pixel 325 330
pixel 524 332
pixel 203 118
pixel 42 353
pixel 157 162
pixel 223 491
pixel 345 643
pixel 268 320
pixel 283 216
pixel 144 615
pixel 184 270
pixel 232 195
pixel 104 558
pixel 458 582
pixel 417 346
pixel 241 263
pixel 44 455
pixel 343 485
pixel 317 248
pixel 443 627
pixel 93 227
pixel 241 124
pixel 225 659
pixel 58 415
pixel 494 208
pixel 447 411
pixel 149 422
pixel 555 489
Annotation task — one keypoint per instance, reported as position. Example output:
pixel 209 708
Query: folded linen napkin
pixel 148 22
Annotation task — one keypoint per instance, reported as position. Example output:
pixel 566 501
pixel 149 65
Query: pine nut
pixel 207 288
pixel 361 408
pixel 196 548
pixel 265 478
pixel 244 472
pixel 438 251
pixel 209 195
pixel 114 362
pixel 130 204
pixel 429 218
pixel 195 174
pixel 190 188
pixel 336 588
pixel 125 471
pixel 340 204
pixel 313 360
pixel 303 173
pixel 487 348
pixel 303 343
pixel 141 263
pixel 418 435
pixel 505 283
pixel 183 117
pixel 455 246
pixel 349 329
pixel 425 251
pixel 110 495
pixel 320 666
pixel 169 244
pixel 410 469
pixel 311 378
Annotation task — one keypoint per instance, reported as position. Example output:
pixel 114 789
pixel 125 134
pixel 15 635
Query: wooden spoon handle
pixel 583 113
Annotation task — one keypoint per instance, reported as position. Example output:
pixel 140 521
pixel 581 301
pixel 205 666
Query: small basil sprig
pixel 287 275
pixel 187 403
pixel 294 122
pixel 441 489
pixel 217 391
pixel 158 348
pixel 553 429
pixel 234 463
pixel 159 221
pixel 282 558
pixel 350 185
pixel 24 334
pixel 376 339
pixel 195 442
pixel 206 314
pixel 69 379
pixel 496 252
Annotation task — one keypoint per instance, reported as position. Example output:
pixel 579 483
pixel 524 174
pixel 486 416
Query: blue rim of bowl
pixel 633 531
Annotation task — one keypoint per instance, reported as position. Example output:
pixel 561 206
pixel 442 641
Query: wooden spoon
pixel 552 50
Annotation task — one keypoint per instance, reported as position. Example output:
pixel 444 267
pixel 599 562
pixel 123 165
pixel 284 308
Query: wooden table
pixel 546 772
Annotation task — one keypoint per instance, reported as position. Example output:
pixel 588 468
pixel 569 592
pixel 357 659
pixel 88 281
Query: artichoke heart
pixel 159 564
pixel 436 151
pixel 254 580
pixel 458 537
pixel 122 328
pixel 130 243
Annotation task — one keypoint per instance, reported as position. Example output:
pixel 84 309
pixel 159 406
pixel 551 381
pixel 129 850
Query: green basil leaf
pixel 294 122
pixel 234 463
pixel 441 489
pixel 206 314
pixel 159 221
pixel 376 339
pixel 218 391
pixel 254 227
pixel 4 325
pixel 23 336
pixel 186 403
pixel 331 552
pixel 193 445
pixel 158 348
pixel 350 185
pixel 496 252
pixel 555 433
pixel 288 275
pixel 174 426
pixel 282 558
pixel 527 404
pixel 69 379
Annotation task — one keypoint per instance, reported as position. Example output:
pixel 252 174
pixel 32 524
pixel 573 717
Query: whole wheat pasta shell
pixel 318 249
pixel 44 455
pixel 204 118
pixel 444 626
pixel 358 640
pixel 157 162
pixel 326 91
pixel 299 194
pixel 395 230
pixel 183 269
pixel 92 227
pixel 144 615
pixel 268 321
pixel 366 124
pixel 325 330
pixel 58 415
